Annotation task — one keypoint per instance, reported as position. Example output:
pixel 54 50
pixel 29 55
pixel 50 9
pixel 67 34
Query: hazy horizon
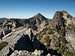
pixel 29 8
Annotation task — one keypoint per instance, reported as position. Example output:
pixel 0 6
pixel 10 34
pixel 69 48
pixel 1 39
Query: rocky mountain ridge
pixel 38 36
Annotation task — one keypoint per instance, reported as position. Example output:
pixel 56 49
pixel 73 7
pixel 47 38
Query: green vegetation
pixel 3 44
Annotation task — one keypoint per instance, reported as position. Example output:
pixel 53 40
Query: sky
pixel 29 8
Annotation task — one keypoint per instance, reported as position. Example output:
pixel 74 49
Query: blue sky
pixel 29 8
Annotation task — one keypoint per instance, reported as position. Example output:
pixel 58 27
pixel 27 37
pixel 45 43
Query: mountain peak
pixel 63 14
pixel 39 15
pixel 62 11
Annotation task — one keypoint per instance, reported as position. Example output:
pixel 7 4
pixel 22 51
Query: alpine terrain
pixel 38 35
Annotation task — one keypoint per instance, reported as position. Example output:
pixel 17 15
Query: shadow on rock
pixel 24 43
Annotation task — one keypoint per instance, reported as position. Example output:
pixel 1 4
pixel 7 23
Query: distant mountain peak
pixel 39 15
pixel 37 19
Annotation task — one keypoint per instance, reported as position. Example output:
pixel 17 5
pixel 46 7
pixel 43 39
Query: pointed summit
pixel 37 19
pixel 39 16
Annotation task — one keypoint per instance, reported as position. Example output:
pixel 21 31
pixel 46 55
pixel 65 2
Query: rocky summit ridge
pixel 38 36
